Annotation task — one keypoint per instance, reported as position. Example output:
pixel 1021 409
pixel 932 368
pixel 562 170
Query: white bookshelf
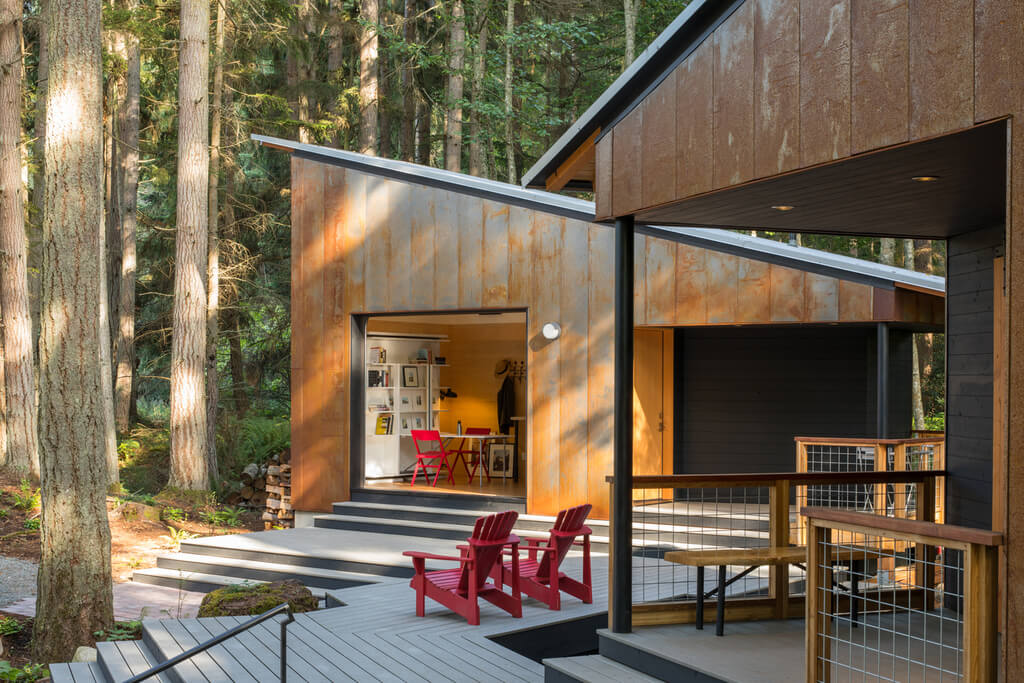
pixel 409 407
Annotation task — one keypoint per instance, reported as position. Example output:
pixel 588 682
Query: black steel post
pixel 882 380
pixel 622 491
pixel 284 644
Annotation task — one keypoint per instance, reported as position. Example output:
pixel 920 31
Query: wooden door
pixel 652 404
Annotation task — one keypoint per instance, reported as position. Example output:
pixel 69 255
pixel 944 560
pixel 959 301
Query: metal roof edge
pixel 495 190
pixel 636 71
pixel 804 258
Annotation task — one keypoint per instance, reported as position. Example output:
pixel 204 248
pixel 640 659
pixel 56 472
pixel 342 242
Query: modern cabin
pixel 417 293
pixel 894 119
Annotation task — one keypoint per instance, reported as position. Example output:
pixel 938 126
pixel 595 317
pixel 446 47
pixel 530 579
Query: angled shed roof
pixel 802 258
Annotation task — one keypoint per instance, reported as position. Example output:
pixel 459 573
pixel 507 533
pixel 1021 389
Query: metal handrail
pixel 231 633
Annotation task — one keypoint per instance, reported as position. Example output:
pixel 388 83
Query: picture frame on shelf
pixel 500 458
pixel 405 424
pixel 417 422
pixel 410 376
pixel 419 400
pixel 405 403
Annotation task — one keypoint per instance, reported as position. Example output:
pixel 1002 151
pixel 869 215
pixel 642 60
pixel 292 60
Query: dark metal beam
pixel 622 490
pixel 882 382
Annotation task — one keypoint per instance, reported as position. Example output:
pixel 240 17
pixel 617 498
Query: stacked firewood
pixel 268 488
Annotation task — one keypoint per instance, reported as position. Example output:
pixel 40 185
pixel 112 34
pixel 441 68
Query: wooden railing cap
pixel 845 441
pixel 769 478
pixel 949 532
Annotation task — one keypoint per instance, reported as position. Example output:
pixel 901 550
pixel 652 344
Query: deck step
pixel 199 582
pixel 206 568
pixel 591 669
pixel 444 515
pixel 440 499
pixel 633 651
pixel 119 660
pixel 76 672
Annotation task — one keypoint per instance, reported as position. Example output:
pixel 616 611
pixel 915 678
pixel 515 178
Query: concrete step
pixel 591 669
pixel 217 572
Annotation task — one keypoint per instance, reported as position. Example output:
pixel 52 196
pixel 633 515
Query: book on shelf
pixel 378 354
pixel 384 423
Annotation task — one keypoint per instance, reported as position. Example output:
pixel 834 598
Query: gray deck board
pixel 208 667
pixel 166 647
pixel 239 650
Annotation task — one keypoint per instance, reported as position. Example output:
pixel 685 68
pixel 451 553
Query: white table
pixel 481 440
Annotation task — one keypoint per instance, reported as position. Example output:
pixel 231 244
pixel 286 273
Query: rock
pixel 132 511
pixel 84 654
pixel 250 600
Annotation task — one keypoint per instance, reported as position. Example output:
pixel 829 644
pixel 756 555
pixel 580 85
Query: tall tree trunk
pixel 915 392
pixel 510 145
pixel 887 251
pixel 103 356
pixel 629 8
pixel 3 406
pixel 476 142
pixel 456 62
pixel 335 58
pixel 35 233
pixel 213 244
pixel 117 47
pixel 74 586
pixel 128 135
pixel 408 136
pixel 190 467
pixel 23 451
pixel 369 75
pixel 299 68
pixel 237 362
pixel 924 342
pixel 423 131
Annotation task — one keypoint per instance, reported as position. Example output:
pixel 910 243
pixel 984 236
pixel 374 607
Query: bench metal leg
pixel 720 626
pixel 700 598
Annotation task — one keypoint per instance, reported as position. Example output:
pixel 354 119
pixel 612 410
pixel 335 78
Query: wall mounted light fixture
pixel 551 330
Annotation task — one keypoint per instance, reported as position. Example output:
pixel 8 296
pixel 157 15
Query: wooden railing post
pixel 801 491
pixel 778 535
pixel 981 575
pixel 817 615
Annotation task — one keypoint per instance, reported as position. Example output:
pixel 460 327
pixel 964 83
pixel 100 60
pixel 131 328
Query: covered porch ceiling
pixel 932 189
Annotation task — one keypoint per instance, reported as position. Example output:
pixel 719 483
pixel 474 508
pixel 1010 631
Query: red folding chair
pixel 430 453
pixel 458 589
pixel 473 450
pixel 542 580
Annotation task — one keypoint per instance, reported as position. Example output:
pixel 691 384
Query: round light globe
pixel 551 330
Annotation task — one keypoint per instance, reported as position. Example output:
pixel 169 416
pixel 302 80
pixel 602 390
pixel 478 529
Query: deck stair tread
pixel 77 672
pixel 119 660
pixel 198 581
pixel 179 562
pixel 459 530
pixel 597 669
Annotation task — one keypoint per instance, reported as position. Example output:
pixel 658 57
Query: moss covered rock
pixel 252 599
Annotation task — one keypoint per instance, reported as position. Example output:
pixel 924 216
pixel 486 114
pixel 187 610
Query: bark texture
pixel 408 133
pixel 510 144
pixel 915 389
pixel 369 76
pixel 189 462
pixel 456 62
pixel 629 9
pixel 476 143
pixel 74 590
pixel 128 136
pixel 22 448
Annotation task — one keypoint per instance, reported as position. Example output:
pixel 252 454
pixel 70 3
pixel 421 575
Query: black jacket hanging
pixel 506 404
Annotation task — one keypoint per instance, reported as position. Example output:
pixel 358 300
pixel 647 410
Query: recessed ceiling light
pixel 925 178
pixel 782 207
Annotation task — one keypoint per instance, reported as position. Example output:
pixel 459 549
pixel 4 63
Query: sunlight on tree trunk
pixel 629 9
pixel 476 141
pixel 128 133
pixel 453 126
pixel 510 145
pixel 408 132
pixel 22 446
pixel 368 76
pixel 189 458
pixel 74 585
pixel 915 389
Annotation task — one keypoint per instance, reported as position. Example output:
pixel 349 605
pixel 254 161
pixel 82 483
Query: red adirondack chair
pixel 430 453
pixel 542 579
pixel 473 451
pixel 458 589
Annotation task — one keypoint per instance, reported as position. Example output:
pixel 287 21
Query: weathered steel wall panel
pixel 574 316
pixel 720 271
pixel 626 154
pixel 600 364
pixel 694 122
pixel 754 289
pixel 470 240
pixel 734 98
pixel 660 256
pixel 495 255
pixel 776 87
pixel 881 73
pixel 824 80
pixel 659 144
pixel 942 66
pixel 787 295
pixel 603 177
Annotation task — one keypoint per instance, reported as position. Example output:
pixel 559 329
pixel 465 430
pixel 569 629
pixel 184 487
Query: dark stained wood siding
pixel 365 245
pixel 969 347
pixel 743 394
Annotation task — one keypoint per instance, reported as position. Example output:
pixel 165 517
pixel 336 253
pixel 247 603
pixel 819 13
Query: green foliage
pixel 9 626
pixel 121 630
pixel 175 536
pixel 252 439
pixel 26 497
pixel 223 517
pixel 30 673
pixel 173 514
pixel 128 449
pixel 144 469
pixel 31 524
pixel 4 512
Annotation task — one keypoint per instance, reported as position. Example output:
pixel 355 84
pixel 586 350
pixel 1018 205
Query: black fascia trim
pixel 712 21
pixel 442 185
pixel 765 257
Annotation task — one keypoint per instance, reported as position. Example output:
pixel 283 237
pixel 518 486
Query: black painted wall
pixel 742 394
pixel 969 306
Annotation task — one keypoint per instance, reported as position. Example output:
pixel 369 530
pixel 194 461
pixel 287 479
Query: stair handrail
pixel 230 633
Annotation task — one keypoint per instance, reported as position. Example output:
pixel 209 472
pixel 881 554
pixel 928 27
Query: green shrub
pixel 4 512
pixel 31 524
pixel 122 630
pixel 30 673
pixel 26 497
pixel 9 626
pixel 173 514
pixel 251 439
pixel 223 517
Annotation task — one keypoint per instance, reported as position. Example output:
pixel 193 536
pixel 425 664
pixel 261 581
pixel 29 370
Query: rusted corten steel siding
pixel 786 84
pixel 365 244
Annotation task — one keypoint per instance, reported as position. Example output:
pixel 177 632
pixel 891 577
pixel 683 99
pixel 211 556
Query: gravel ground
pixel 18 580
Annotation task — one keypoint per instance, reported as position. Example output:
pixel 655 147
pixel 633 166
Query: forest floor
pixel 135 541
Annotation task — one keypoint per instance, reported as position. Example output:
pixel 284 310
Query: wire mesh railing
pixel 750 512
pixel 899 600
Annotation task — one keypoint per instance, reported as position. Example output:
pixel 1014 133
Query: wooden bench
pixel 751 558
